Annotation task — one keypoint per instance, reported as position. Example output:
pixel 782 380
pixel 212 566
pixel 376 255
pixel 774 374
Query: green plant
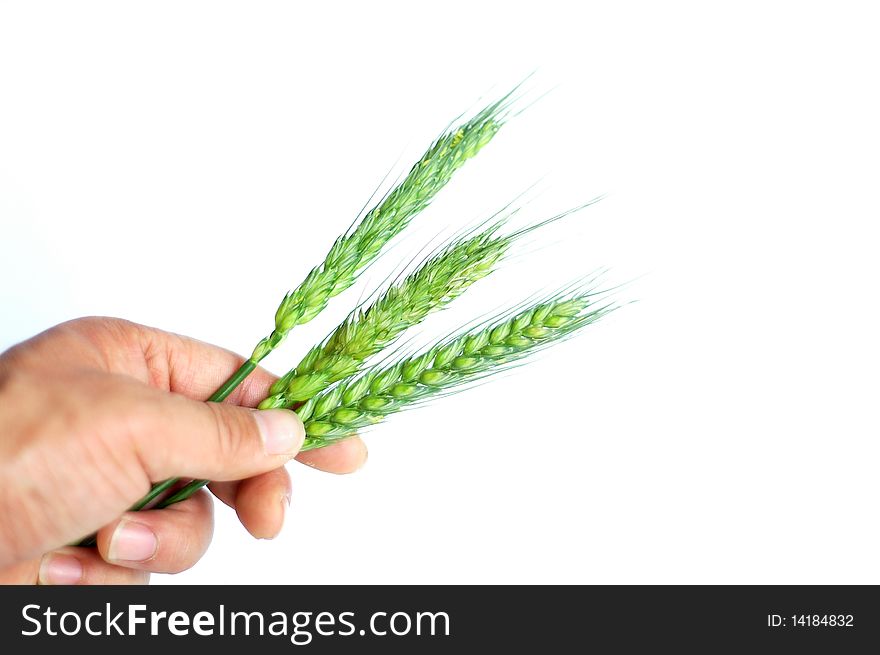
pixel 328 389
pixel 355 250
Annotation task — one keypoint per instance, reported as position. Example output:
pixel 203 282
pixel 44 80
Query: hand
pixel 95 410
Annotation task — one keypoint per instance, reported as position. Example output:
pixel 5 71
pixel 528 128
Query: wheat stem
pixel 234 380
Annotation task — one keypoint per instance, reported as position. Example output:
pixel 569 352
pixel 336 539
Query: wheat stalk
pixel 446 367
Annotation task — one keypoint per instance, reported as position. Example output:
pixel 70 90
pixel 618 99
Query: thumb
pixel 188 438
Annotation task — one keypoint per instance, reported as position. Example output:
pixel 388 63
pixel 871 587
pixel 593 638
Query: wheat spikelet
pixel 353 251
pixel 446 367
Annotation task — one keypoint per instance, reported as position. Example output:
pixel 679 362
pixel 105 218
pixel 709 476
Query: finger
pixel 177 437
pixel 169 540
pixel 195 368
pixel 344 456
pixel 84 566
pixel 228 490
pixel 22 573
pixel 261 502
pixel 161 359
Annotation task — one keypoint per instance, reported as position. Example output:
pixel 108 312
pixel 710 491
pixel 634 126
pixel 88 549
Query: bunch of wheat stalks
pixel 332 389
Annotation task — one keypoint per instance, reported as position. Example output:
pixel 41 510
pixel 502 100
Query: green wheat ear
pixel 435 284
pixel 447 366
pixel 355 250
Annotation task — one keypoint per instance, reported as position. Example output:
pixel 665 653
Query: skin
pixel 92 411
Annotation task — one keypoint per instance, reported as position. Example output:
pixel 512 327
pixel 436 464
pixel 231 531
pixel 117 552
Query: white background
pixel 182 164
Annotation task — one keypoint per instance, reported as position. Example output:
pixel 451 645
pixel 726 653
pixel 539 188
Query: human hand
pixel 93 411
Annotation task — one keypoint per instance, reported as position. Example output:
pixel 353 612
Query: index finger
pixel 196 369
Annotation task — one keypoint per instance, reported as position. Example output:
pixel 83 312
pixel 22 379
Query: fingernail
pixel 132 542
pixel 282 431
pixel 56 569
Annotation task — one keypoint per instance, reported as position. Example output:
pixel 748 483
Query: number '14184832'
pixel 810 621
